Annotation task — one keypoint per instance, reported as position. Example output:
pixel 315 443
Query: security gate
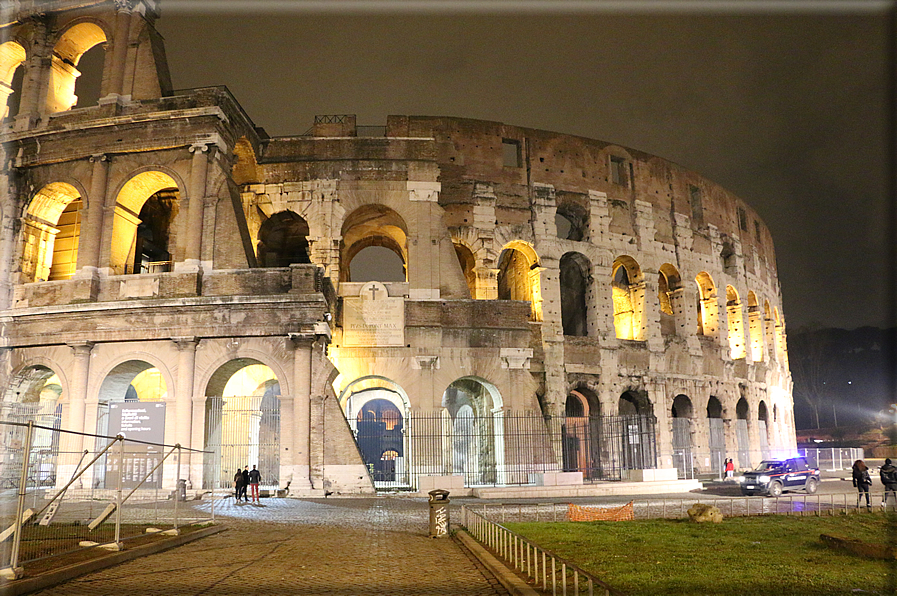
pixel 682 455
pixel 717 444
pixel 242 431
pixel 744 444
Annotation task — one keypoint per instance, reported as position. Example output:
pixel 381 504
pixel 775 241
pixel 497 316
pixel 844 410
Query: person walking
pixel 888 473
pixel 238 485
pixel 730 469
pixel 245 475
pixel 862 481
pixel 254 478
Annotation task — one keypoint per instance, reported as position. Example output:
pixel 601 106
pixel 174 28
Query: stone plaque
pixel 373 319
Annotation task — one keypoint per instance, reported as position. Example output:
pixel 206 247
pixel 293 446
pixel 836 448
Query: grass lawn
pixel 743 555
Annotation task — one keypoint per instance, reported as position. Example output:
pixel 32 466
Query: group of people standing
pixel 247 478
pixel 862 480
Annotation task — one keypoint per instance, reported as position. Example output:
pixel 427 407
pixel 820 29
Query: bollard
pixel 439 517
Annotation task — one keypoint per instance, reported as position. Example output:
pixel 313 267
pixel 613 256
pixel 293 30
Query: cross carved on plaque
pixel 373 291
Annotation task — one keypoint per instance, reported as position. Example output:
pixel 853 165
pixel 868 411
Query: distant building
pixel 533 303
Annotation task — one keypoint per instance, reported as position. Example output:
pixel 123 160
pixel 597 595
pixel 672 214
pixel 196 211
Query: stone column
pixel 90 240
pixel 73 444
pixel 198 172
pixel 300 431
pixel 120 49
pixel 7 245
pixel 184 395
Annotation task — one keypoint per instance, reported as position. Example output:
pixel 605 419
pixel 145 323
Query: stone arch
pixel 571 220
pixel 242 421
pixel 283 240
pixel 582 433
pixel 474 409
pixel 742 432
pixel 144 230
pixel 716 434
pixel 366 383
pixel 708 307
pixel 575 281
pixel 769 330
pixel 12 57
pixel 671 297
pixel 735 324
pixel 245 168
pixel 51 232
pixel 638 444
pixel 755 328
pixel 628 292
pixel 467 260
pixel 682 426
pixel 74 41
pixel 519 275
pixel 381 229
pixel 781 345
pixel 763 429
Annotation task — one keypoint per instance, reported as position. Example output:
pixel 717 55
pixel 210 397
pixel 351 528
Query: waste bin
pixel 182 490
pixel 439 516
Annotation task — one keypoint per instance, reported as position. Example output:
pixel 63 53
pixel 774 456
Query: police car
pixel 772 477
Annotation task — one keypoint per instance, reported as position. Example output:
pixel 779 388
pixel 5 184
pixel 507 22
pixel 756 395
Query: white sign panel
pixel 374 319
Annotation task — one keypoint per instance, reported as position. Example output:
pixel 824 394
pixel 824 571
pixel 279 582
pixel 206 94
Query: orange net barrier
pixel 577 513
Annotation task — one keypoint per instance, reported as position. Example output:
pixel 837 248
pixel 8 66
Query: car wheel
pixel 811 486
pixel 775 489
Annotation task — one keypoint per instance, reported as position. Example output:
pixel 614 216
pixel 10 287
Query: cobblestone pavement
pixel 322 547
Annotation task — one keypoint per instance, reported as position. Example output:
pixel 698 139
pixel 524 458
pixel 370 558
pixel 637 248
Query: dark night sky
pixel 786 108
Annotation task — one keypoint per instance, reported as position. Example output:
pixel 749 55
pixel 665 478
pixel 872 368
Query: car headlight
pixel 740 479
pixel 763 479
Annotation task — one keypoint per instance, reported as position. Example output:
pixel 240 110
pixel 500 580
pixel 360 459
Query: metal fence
pixel 537 564
pixel 797 504
pixel 65 498
pixel 503 449
pixel 832 459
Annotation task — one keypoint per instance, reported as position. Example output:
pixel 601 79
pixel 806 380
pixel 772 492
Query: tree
pixel 811 354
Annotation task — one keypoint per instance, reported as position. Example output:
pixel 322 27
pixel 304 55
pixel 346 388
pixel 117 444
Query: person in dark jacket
pixel 238 485
pixel 862 481
pixel 888 473
pixel 254 478
pixel 245 474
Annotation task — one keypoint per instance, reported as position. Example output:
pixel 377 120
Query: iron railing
pixel 537 564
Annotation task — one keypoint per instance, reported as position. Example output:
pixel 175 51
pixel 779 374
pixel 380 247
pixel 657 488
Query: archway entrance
pixel 682 431
pixel 717 434
pixel 582 433
pixel 476 438
pixel 376 416
pixel 242 423
pixel 637 422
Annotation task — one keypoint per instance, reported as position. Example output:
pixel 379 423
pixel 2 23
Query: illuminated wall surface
pixel 365 306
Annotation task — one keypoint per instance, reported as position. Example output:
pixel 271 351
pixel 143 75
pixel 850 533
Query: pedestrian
pixel 238 485
pixel 254 478
pixel 245 483
pixel 730 469
pixel 862 481
pixel 888 473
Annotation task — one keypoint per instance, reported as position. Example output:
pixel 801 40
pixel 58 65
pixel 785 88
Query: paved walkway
pixel 335 547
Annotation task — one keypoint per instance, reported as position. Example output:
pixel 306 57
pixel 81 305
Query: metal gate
pixel 381 441
pixel 744 443
pixel 717 444
pixel 764 439
pixel 682 454
pixel 241 431
pixel 601 447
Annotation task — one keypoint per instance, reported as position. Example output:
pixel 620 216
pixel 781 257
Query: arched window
pixel 143 227
pixel 468 267
pixel 12 55
pixel 518 276
pixel 50 233
pixel 575 287
pixel 769 330
pixel 283 240
pixel 670 295
pixel 67 54
pixel 755 326
pixel 571 221
pixel 375 246
pixel 628 290
pixel 708 308
pixel 735 324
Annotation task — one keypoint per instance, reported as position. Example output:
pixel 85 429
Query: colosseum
pixel 437 302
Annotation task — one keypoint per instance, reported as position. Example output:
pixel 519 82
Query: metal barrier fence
pixel 799 505
pixel 66 498
pixel 539 565
pixel 833 458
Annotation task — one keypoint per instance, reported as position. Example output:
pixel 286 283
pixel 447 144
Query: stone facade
pixel 157 244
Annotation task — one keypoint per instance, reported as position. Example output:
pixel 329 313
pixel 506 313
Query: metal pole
pixel 20 505
pixel 177 486
pixel 121 471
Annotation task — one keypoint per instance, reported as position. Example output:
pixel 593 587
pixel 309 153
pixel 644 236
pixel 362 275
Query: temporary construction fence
pixel 832 458
pixel 66 498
